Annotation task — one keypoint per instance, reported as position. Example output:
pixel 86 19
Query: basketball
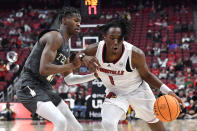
pixel 166 108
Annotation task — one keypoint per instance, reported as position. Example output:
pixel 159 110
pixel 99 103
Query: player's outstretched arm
pixel 72 79
pixel 52 41
pixel 139 62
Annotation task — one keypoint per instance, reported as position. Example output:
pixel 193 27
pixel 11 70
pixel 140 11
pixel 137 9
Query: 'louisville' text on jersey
pixel 111 71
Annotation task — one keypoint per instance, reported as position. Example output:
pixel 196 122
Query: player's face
pixel 113 40
pixel 73 24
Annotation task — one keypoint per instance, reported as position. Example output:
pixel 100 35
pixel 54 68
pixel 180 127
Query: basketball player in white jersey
pixel 125 74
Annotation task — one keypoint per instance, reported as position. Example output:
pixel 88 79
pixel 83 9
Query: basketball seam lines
pixel 160 112
pixel 168 107
pixel 177 108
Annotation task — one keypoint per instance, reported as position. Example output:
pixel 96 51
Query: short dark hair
pixel 121 23
pixel 67 11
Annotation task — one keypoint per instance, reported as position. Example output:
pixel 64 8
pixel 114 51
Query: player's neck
pixel 65 32
pixel 113 57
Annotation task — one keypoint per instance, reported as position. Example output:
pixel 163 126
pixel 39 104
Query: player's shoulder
pixel 55 35
pixel 93 46
pixel 52 37
pixel 91 49
pixel 127 45
pixel 137 52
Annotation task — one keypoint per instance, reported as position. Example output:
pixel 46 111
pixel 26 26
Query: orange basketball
pixel 166 108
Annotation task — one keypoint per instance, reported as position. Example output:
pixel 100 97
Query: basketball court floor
pixel 133 125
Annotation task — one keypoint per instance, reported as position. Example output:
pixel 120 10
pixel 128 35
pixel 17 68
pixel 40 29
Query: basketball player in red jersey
pixel 125 74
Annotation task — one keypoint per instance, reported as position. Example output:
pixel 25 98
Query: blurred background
pixel 164 29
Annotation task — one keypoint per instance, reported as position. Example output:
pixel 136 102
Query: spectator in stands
pixel 27 28
pixel 172 55
pixel 186 61
pixel 163 74
pixel 149 34
pixel 62 90
pixel 195 82
pixel 109 16
pixel 171 84
pixel 189 82
pixel 149 50
pixel 171 63
pixel 177 27
pixel 80 105
pixel 185 39
pixel 188 72
pixel 180 79
pixel 128 15
pixel 156 49
pixel 7 113
pixel 83 70
pixel 116 15
pixel 102 16
pixel 193 58
pixel 155 71
pixel 157 37
pixel 163 48
pixel 70 101
pixel 192 110
pixel 190 94
pixel 181 94
pixel 171 73
pixel 164 39
pixel 19 14
pixel 164 23
pixel 192 38
pixel 3 70
pixel 162 61
pixel 155 63
pixel 173 46
pixel 183 9
pixel 153 14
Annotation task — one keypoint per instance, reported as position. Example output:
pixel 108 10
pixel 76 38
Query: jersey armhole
pixel 97 55
pixel 129 67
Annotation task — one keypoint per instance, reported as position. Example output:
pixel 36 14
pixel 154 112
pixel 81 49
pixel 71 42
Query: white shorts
pixel 141 100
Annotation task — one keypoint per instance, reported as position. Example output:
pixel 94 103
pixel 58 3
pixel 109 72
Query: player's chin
pixel 115 52
pixel 75 32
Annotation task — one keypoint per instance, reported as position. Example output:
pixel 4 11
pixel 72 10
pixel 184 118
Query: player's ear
pixel 64 20
pixel 104 37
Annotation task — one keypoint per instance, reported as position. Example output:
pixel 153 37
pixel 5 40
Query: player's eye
pixel 120 39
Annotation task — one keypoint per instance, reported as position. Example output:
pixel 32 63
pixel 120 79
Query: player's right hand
pixel 91 62
pixel 76 61
pixel 178 99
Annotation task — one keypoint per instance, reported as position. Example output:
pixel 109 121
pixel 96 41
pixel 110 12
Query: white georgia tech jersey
pixel 114 76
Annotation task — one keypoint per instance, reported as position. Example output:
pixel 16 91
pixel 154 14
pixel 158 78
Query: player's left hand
pixel 178 99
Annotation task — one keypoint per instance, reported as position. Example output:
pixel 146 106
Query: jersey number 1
pixel 111 80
